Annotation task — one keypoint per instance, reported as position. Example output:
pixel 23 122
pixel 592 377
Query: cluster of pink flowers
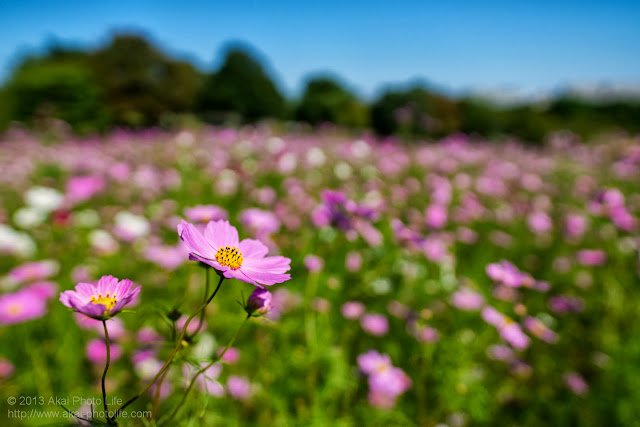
pixel 386 382
pixel 509 330
pixel 30 301
pixel 354 219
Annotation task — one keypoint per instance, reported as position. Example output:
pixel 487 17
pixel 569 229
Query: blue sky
pixel 454 45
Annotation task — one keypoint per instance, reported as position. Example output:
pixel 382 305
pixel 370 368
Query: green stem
pixel 206 292
pixel 106 368
pixel 173 354
pixel 195 377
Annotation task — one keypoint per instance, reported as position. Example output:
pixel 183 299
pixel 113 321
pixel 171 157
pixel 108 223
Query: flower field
pixel 457 283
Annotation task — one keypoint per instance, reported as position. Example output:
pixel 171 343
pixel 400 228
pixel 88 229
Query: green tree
pixel 325 100
pixel 57 86
pixel 141 83
pixel 241 86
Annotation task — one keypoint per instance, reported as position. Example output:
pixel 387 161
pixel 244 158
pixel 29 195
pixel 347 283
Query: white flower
pixel 130 227
pixel 29 217
pixel 44 199
pixel 14 242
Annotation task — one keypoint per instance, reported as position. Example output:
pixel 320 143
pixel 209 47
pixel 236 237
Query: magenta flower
pixel 205 213
pixel 374 324
pixel 239 387
pixel 244 260
pixel 21 306
pixel 259 302
pixel 97 351
pixel 313 263
pixel 467 299
pixel 352 309
pixel 576 383
pixel 6 368
pixel 101 301
pixel 34 271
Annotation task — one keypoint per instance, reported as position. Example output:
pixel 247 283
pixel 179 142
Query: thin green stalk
pixel 195 377
pixel 206 292
pixel 106 368
pixel 173 354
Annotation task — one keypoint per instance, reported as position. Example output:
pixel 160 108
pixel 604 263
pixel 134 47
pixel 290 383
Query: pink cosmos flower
pixel 313 263
pixel 591 257
pixel 239 387
pixel 97 351
pixel 467 299
pixel 193 325
pixel 34 271
pixel 81 188
pixel 540 330
pixel 374 324
pixel 576 383
pixel 20 306
pixel 231 356
pixel 205 213
pixel 352 309
pixel 6 368
pixel 386 382
pixel 244 260
pixel 372 361
pixel 101 301
pixel 259 302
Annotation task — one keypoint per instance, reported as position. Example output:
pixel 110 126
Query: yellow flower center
pixel 229 257
pixel 15 309
pixel 381 367
pixel 107 301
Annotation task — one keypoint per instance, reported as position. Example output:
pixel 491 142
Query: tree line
pixel 130 82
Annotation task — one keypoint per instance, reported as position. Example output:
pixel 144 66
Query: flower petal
pixel 195 241
pixel 251 248
pixel 221 233
pixel 273 264
pixel 265 278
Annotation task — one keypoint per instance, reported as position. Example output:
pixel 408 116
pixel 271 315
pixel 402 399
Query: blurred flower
pixel 193 325
pixel 13 242
pixel 239 387
pixel 100 301
pixel 169 257
pixel 207 381
pixel 231 356
pixel 540 330
pixel 436 216
pixel 97 351
pixel 245 260
pixel 353 262
pixel 80 188
pixel 576 383
pixel 21 306
pixel 130 227
pixel 313 263
pixel 352 309
pixel 34 271
pixel 205 213
pixel 44 199
pixel 6 368
pixel 500 352
pixel 386 382
pixel 374 324
pixel 563 304
pixel 591 257
pixel 466 299
pixel 426 334
pixel 102 242
pixel 29 217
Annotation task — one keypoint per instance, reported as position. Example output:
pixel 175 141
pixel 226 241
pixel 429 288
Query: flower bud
pixel 259 302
